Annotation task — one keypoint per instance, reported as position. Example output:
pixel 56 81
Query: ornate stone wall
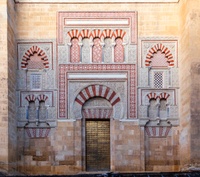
pixel 158 105
pixel 121 64
pixel 158 83
pixel 36 88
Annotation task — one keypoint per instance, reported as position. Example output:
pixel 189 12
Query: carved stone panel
pixel 120 78
pixel 152 47
pixel 28 50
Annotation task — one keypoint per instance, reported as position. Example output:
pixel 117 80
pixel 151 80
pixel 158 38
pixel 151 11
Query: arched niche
pixel 98 92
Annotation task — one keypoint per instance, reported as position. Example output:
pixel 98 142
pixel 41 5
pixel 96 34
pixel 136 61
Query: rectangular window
pixel 158 80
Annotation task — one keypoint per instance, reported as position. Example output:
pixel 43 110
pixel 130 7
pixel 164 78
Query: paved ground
pixel 177 174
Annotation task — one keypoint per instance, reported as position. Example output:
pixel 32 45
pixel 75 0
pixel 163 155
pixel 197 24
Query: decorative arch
pixel 37 132
pixel 42 97
pixel 163 95
pixel 34 50
pixel 93 91
pixel 85 33
pixel 152 96
pixel 119 33
pixel 161 131
pixel 164 50
pixel 74 34
pixel 30 98
pixel 96 33
pixel 97 108
pixel 107 33
pixel 97 90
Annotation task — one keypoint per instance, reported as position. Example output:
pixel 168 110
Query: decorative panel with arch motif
pixel 36 84
pixel 158 77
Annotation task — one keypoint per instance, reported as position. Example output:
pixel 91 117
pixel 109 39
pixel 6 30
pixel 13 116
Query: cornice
pixel 94 1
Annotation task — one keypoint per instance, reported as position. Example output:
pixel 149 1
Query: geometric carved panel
pixel 158 80
pixel 35 81
pixel 64 70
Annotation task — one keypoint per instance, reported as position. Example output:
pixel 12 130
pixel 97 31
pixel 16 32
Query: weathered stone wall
pixel 65 148
pixel 194 46
pixel 189 76
pixel 162 153
pixel 12 64
pixel 127 146
pixel 61 151
pixel 38 21
pixel 3 88
pixel 8 143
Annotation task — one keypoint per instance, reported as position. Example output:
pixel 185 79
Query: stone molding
pixel 96 1
pixel 99 20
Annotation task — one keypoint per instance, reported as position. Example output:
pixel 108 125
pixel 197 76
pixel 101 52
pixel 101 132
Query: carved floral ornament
pixel 37 53
pixel 97 33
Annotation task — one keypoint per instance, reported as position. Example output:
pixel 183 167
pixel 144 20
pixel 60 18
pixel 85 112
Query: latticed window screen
pixel 36 81
pixel 158 79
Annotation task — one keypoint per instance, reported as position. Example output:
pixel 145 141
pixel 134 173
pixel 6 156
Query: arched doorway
pixel 97 112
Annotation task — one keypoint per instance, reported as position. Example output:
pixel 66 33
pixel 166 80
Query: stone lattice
pixel 158 80
pixel 119 51
pixel 74 51
pixel 159 60
pixel 97 51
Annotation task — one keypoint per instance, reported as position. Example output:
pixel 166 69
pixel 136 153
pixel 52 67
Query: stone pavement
pixel 162 174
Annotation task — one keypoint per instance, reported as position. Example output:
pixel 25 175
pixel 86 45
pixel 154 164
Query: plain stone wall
pixel 185 84
pixel 189 78
pixel 162 154
pixel 38 21
pixel 126 146
pixel 194 53
pixel 12 65
pixel 3 87
pixel 8 139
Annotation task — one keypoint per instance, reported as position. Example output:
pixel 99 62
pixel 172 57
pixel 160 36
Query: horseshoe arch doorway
pixel 97 112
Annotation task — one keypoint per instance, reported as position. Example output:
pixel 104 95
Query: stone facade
pixel 133 65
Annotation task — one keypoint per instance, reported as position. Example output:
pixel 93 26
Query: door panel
pixel 97 145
